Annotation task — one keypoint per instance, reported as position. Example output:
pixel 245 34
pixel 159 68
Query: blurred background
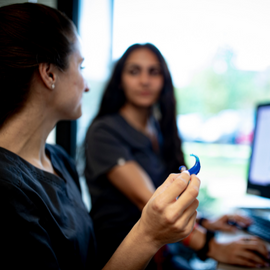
pixel 218 53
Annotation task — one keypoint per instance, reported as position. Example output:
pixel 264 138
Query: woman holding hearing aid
pixel 44 222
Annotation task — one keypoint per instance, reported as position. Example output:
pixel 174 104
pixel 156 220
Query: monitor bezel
pixel 261 191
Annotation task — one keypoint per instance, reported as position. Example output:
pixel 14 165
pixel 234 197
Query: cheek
pixel 127 86
pixel 79 83
pixel 128 82
pixel 129 94
pixel 158 85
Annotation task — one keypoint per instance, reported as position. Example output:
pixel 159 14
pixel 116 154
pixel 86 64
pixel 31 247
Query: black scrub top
pixel 111 141
pixel 44 222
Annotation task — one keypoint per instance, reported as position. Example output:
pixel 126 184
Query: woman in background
pixel 131 145
pixel 44 222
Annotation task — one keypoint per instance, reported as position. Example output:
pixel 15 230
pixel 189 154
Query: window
pixel 95 31
pixel 218 54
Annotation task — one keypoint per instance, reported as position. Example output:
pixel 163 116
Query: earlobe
pixel 47 74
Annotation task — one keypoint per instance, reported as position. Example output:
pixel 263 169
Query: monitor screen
pixel 259 164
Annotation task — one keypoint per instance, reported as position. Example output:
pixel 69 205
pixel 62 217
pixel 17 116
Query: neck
pixel 25 134
pixel 136 116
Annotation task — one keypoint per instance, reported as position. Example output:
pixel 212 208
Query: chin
pixel 74 116
pixel 78 112
pixel 78 115
pixel 145 104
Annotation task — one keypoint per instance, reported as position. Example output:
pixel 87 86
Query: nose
pixel 144 78
pixel 86 88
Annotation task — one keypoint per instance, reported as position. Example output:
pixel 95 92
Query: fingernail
pixel 187 172
pixel 182 168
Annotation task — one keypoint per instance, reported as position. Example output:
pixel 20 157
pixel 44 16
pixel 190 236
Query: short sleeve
pixel 105 148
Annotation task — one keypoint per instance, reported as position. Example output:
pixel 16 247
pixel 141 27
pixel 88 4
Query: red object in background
pixel 245 138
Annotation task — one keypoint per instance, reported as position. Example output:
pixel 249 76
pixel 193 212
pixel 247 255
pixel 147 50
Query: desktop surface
pixel 261 222
pixel 246 205
pixel 230 267
pixel 227 237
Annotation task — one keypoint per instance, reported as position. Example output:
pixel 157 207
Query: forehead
pixel 77 49
pixel 142 56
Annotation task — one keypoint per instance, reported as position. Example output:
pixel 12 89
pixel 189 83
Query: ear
pixel 48 74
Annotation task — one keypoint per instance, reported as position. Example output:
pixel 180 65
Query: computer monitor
pixel 259 163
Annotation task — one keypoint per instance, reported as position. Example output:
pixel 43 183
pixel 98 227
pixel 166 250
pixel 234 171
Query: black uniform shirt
pixel 44 222
pixel 111 141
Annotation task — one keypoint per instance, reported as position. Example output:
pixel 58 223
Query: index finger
pixel 176 187
pixel 256 245
pixel 170 179
pixel 190 194
pixel 242 219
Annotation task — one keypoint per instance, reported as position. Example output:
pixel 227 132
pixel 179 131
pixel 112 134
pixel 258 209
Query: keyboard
pixel 260 226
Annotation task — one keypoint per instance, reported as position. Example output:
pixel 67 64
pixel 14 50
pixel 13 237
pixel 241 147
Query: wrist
pixel 202 221
pixel 204 252
pixel 214 249
pixel 197 238
pixel 146 241
pixel 186 241
pixel 135 251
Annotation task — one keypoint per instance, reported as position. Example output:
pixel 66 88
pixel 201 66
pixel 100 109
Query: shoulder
pixel 108 124
pixel 15 182
pixel 10 167
pixel 108 121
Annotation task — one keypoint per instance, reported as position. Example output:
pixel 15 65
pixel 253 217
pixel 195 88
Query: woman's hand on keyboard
pixel 227 223
pixel 246 251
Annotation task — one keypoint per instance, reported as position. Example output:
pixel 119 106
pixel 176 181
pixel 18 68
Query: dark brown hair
pixel 30 34
pixel 114 98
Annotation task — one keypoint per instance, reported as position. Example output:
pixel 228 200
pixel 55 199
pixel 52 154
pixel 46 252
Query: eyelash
pixel 151 72
pixel 133 72
pixel 155 72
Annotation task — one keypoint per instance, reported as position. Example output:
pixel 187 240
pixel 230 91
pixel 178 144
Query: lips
pixel 145 93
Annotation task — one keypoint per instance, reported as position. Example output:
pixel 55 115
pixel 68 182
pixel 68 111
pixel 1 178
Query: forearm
pixel 202 221
pixel 135 251
pixel 214 249
pixel 204 243
pixel 197 238
pixel 131 180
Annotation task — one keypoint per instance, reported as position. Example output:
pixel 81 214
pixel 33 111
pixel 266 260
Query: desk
pixel 229 267
pixel 232 206
pixel 227 237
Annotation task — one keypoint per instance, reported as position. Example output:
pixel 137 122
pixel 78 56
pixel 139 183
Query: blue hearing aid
pixel 195 169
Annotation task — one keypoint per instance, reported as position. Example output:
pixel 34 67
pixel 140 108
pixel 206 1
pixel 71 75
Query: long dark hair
pixel 114 98
pixel 30 34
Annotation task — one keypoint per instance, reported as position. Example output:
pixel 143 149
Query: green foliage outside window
pixel 222 86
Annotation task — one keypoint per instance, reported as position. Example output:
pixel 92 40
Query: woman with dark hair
pixel 130 146
pixel 114 98
pixel 44 222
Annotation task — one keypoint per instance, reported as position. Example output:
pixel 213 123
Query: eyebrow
pixel 157 65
